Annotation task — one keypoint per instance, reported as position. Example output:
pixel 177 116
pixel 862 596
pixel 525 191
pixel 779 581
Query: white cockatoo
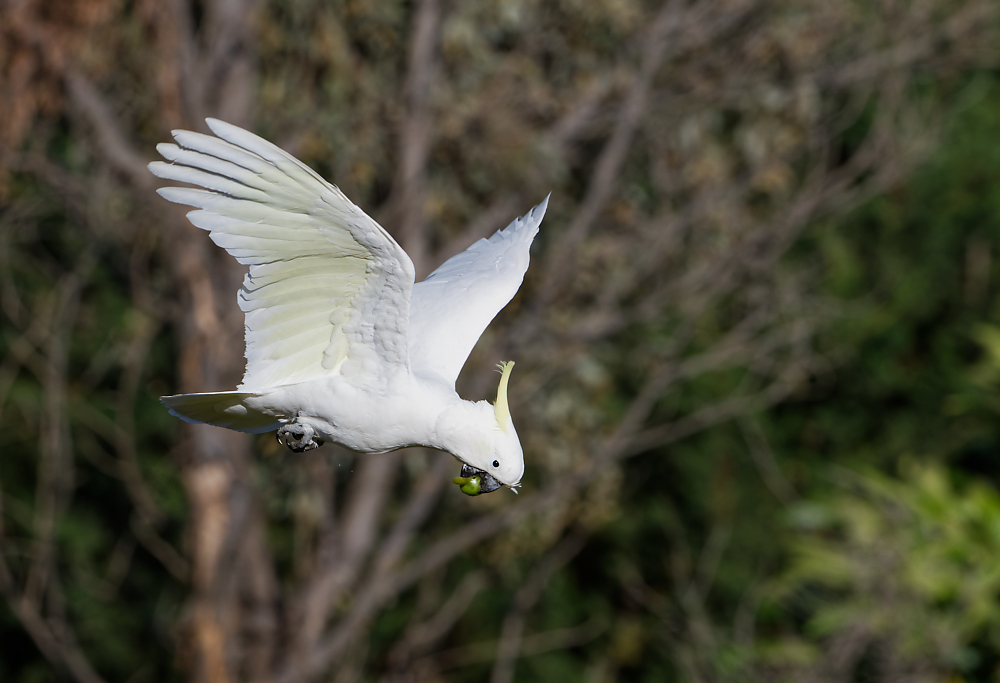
pixel 341 345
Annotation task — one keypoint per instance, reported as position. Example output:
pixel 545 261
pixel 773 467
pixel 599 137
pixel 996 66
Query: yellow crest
pixel 502 411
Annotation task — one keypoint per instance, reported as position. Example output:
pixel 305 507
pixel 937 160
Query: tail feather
pixel 223 409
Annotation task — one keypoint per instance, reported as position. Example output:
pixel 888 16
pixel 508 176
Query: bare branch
pixel 409 184
pixel 112 140
pixel 60 651
pixel 512 631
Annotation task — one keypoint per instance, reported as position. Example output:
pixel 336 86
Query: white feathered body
pixel 339 338
pixel 394 412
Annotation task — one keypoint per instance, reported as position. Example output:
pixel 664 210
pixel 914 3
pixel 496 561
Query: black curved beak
pixel 488 484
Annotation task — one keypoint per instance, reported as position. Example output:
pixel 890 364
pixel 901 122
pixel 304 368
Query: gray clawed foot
pixel 298 437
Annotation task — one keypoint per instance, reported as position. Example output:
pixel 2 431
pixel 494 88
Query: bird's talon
pixel 298 437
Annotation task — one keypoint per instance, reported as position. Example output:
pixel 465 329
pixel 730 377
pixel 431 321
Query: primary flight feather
pixel 341 344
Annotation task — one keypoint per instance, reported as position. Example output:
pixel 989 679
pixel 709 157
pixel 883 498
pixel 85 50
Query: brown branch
pixel 612 156
pixel 405 209
pixel 112 142
pixel 735 406
pixel 420 636
pixel 907 50
pixel 621 445
pixel 175 76
pixel 168 556
pixel 53 636
pixel 415 512
pixel 690 27
pixel 533 644
pixel 343 558
pixel 24 351
pixel 148 515
pixel 512 632
pixel 223 84
pixel 763 457
pixel 55 469
pixel 61 651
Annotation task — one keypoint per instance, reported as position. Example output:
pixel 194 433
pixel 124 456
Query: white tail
pixel 223 409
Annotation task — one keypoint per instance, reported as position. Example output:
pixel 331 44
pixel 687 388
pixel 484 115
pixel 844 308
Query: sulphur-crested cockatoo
pixel 341 345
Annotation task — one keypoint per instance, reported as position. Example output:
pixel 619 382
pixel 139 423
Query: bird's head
pixel 507 465
pixel 491 450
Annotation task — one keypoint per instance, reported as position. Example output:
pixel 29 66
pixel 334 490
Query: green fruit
pixel 470 485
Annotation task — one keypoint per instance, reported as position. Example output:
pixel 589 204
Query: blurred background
pixel 758 346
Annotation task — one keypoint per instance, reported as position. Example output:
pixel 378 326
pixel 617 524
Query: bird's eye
pixel 496 463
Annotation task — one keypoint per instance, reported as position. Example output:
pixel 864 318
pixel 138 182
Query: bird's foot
pixel 298 437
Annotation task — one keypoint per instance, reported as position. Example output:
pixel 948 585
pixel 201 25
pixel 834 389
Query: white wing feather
pixel 451 308
pixel 328 288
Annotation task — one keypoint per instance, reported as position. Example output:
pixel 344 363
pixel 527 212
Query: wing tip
pixel 541 208
pixel 533 217
pixel 218 126
pixel 161 169
pixel 250 142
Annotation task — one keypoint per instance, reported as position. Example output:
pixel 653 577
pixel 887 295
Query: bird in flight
pixel 341 344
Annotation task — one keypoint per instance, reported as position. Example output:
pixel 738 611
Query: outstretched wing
pixel 451 308
pixel 328 288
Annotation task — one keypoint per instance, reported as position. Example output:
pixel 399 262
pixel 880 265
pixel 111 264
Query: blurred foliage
pixel 914 365
pixel 898 573
pixel 916 269
pixel 898 576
